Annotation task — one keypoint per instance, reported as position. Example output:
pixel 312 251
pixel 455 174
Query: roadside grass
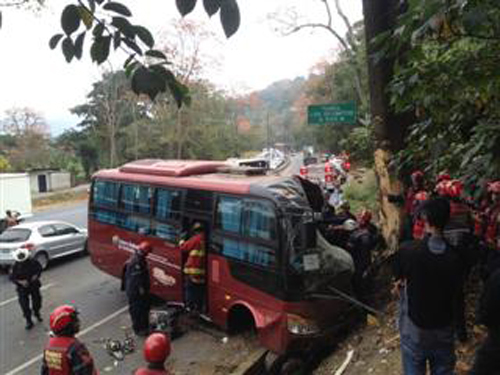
pixel 62 198
pixel 362 190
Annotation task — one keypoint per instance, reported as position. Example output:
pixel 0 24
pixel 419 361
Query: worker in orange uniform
pixel 64 354
pixel 194 269
pixel 156 351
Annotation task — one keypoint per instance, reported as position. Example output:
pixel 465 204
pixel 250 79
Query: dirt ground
pixel 376 350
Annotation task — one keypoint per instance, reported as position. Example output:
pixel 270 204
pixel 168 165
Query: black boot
pixel 38 316
pixel 29 324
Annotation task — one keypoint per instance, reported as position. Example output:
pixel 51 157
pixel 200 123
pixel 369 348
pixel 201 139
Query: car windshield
pixel 15 235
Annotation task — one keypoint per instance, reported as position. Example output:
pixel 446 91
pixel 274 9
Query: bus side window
pixel 135 202
pixel 229 214
pixel 260 220
pixel 167 213
pixel 105 193
pixel 239 223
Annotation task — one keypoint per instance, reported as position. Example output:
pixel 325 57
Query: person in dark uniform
pixel 156 351
pixel 487 358
pixel 64 354
pixel 135 282
pixel 25 274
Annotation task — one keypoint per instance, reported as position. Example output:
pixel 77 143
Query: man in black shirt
pixel 135 283
pixel 25 274
pixel 428 273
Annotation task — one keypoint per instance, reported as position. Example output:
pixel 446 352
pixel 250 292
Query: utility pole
pixel 268 140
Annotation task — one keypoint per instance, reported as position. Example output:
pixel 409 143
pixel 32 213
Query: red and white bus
pixel 265 262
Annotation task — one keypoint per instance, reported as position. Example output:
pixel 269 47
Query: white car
pixel 46 240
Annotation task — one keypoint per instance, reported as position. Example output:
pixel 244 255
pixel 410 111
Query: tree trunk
pixel 380 16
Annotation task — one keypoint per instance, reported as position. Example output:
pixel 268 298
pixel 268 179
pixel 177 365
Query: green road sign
pixel 335 113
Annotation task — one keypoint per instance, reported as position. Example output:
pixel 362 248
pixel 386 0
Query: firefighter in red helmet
pixel 156 351
pixel 493 228
pixel 64 354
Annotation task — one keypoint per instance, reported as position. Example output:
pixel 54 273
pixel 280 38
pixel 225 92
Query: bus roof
pixel 196 174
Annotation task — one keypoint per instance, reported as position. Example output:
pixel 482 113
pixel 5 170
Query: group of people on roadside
pixel 358 236
pixel 446 236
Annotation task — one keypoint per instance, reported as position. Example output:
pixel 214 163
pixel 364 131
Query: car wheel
pixel 85 250
pixel 43 259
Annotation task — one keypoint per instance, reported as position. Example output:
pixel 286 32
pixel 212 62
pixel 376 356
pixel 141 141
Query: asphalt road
pixel 103 311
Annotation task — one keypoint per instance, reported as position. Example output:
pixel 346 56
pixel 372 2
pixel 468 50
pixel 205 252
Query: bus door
pixel 198 208
pixel 165 261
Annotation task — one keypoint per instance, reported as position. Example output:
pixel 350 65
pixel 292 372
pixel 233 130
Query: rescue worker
pixel 64 354
pixel 25 274
pixel 492 235
pixel 156 351
pixel 415 196
pixel 459 233
pixel 362 240
pixel 194 268
pixel 135 282
pixel 487 358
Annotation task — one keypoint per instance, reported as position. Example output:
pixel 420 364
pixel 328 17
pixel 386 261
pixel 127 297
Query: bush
pixel 362 190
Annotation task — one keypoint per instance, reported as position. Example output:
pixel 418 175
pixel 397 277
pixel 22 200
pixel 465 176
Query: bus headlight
pixel 299 325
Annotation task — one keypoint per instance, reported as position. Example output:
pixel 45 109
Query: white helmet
pixel 21 254
pixel 350 224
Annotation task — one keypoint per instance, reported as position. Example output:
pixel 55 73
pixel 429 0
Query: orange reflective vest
pixel 195 263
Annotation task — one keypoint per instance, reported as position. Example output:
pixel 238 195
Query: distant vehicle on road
pixel 15 195
pixel 46 240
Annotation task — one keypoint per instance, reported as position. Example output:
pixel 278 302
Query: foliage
pixel 4 164
pixel 449 79
pixel 362 191
pixel 109 25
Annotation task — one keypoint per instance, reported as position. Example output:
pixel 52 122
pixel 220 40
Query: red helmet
pixel 443 176
pixel 145 247
pixel 442 188
pixel 365 217
pixel 421 196
pixel 156 348
pixel 63 317
pixel 494 187
pixel 455 188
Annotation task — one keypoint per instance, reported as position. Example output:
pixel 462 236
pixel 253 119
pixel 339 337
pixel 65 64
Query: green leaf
pixel 185 6
pixel 99 51
pixel 98 30
pixel 68 49
pixel 86 16
pixel 133 46
pixel 116 39
pixel 131 68
pixel 145 36
pixel 70 19
pixel 117 8
pixel 124 26
pixel 156 53
pixel 211 6
pixel 54 40
pixel 79 45
pixel 230 17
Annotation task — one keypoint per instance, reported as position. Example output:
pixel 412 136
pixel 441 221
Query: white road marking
pixel 6 302
pixel 38 358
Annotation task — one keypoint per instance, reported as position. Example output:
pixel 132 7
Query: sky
pixel 32 75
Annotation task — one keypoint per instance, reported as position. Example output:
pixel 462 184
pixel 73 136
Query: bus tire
pixel 293 366
pixel 240 319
